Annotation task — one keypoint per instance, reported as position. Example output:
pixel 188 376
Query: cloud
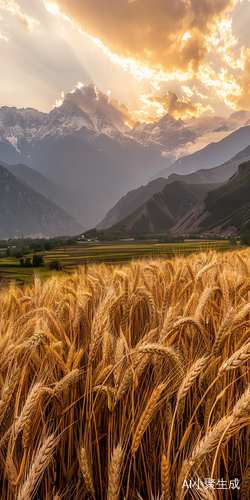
pixel 91 100
pixel 243 99
pixel 151 31
pixel 11 6
pixel 171 104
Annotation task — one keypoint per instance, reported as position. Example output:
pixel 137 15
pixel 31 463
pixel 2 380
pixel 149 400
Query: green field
pixel 123 251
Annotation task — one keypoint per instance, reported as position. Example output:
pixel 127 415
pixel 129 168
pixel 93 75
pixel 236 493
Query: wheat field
pixel 128 382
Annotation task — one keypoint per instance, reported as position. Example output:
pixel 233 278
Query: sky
pixel 138 59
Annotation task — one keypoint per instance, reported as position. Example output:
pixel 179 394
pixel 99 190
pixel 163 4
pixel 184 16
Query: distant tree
pixel 27 262
pixel 245 238
pixel 7 253
pixel 37 261
pixel 232 240
pixel 18 254
pixel 91 233
pixel 21 262
pixel 48 245
pixel 55 265
pixel 37 247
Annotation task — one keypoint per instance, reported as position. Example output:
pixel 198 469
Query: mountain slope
pixel 23 211
pixel 210 156
pixel 130 202
pixel 223 210
pixel 164 209
pixel 80 204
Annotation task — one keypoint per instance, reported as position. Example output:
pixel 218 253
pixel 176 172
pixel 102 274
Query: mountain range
pixel 86 163
pixel 137 197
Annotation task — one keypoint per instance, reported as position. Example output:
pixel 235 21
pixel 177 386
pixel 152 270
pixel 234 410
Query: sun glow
pixel 185 37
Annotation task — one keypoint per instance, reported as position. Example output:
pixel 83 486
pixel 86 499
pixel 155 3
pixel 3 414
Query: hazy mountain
pixel 75 165
pixel 215 124
pixel 223 210
pixel 164 209
pixel 211 155
pixel 217 174
pixel 23 211
pixel 131 201
pixel 80 204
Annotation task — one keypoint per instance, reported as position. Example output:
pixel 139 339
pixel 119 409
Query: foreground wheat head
pixel 125 382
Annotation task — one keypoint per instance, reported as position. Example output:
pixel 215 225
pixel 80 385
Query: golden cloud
pixel 152 31
pixel 243 99
pixel 171 104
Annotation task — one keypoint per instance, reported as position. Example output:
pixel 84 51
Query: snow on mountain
pixel 103 125
pixel 22 130
pixel 30 126
pixel 215 124
pixel 23 127
pixel 166 134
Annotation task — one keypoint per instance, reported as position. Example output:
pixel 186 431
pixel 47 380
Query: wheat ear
pixel 87 476
pixel 192 374
pixel 238 358
pixel 114 474
pixel 146 417
pixel 165 476
pixel 37 468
